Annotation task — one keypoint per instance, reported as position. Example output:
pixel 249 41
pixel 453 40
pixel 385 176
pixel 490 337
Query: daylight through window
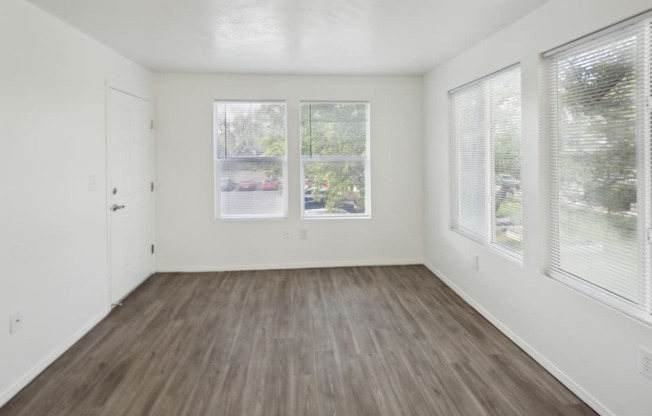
pixel 335 159
pixel 486 160
pixel 251 162
pixel 600 96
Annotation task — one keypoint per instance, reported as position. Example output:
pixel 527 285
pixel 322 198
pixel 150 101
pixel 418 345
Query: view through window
pixel 250 144
pixel 335 159
pixel 486 160
pixel 600 165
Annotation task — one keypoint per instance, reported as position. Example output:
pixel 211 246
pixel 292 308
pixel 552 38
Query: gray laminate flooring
pixel 341 341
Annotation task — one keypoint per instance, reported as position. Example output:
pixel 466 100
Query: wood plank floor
pixel 342 341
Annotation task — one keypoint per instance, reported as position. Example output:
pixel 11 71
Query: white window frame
pixel 641 310
pixel 219 160
pixel 365 159
pixel 488 238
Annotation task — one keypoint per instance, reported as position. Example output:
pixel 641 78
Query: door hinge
pixel 152 248
pixel 151 186
pixel 151 124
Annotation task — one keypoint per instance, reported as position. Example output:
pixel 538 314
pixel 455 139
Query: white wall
pixel 52 229
pixel 190 238
pixel 588 345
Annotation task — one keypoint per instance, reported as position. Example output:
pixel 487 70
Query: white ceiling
pixel 384 37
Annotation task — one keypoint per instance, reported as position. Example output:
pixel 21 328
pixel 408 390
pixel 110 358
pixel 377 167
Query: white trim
pixel 484 78
pixel 337 216
pixel 366 160
pixel 21 383
pixel 622 293
pixel 277 266
pixel 482 87
pixel 108 87
pixel 139 284
pixel 219 160
pixel 253 158
pixel 30 375
pixel 529 350
pixel 595 292
pixel 107 192
pixel 622 25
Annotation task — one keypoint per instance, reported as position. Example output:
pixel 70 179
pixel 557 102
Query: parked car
pixel 247 186
pixel 348 206
pixel 269 185
pixel 312 200
pixel 227 184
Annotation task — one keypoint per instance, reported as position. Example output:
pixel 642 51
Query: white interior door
pixel 130 194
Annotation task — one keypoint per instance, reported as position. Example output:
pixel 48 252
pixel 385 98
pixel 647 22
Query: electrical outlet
pixel 303 234
pixel 15 322
pixel 286 233
pixel 645 362
pixel 475 264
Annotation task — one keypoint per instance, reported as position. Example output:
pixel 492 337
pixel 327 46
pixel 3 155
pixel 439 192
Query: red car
pixel 269 185
pixel 247 186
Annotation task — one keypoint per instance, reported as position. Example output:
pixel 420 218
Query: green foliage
pixel 604 226
pixel 335 130
pixel 327 129
pixel 506 130
pixel 511 208
pixel 614 197
pixel 506 136
pixel 335 183
pixel 597 98
pixel 247 129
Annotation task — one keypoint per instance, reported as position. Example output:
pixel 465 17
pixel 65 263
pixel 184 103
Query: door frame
pixel 108 87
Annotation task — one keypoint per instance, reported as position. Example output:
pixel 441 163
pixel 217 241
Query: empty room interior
pixel 346 207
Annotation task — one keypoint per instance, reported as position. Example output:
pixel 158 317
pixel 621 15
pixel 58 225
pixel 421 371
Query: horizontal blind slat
pixel 485 160
pixel 335 158
pixel 251 161
pixel 598 172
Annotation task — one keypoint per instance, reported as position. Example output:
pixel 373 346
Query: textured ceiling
pixel 383 37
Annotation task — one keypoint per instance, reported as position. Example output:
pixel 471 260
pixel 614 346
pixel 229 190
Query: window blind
pixel 251 162
pixel 600 165
pixel 335 159
pixel 486 160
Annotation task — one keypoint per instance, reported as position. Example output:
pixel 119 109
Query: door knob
pixel 117 207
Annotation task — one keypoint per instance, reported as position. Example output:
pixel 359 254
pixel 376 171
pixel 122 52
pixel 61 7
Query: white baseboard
pixel 543 361
pixel 277 266
pixel 549 366
pixel 6 395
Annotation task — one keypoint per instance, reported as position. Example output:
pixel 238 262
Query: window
pixel 486 161
pixel 251 162
pixel 600 166
pixel 335 159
